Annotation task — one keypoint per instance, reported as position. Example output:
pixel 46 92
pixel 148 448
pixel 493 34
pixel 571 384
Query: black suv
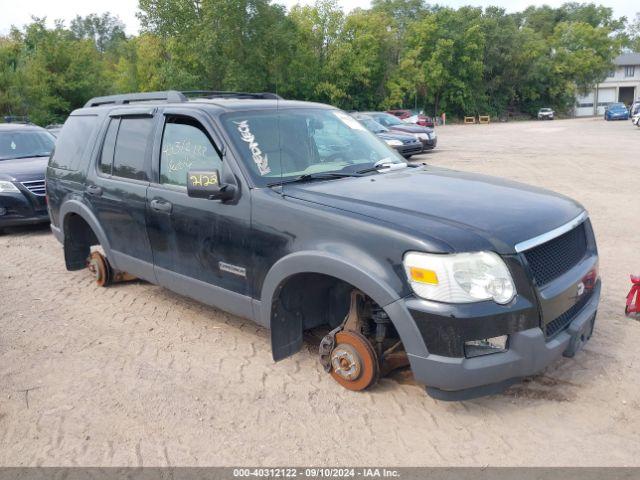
pixel 24 152
pixel 293 215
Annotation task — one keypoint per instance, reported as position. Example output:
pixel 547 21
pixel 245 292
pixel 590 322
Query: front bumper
pixel 429 143
pixel 22 208
pixel 409 149
pixel 529 351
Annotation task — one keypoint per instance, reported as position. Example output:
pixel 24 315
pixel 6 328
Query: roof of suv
pixel 224 101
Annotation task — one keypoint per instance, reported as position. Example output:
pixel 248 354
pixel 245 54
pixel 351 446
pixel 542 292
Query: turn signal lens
pixel 422 275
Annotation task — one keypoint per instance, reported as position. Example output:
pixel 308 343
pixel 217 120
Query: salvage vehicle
pixel 546 114
pixel 426 135
pixel 24 153
pixel 294 215
pixel 616 111
pixel 405 144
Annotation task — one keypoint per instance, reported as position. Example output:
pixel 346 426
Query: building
pixel 622 85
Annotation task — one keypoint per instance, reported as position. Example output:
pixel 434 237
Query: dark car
pixel 426 135
pixel 616 111
pixel 472 280
pixel 406 145
pixel 409 116
pixel 24 152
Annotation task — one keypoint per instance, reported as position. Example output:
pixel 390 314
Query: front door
pixel 199 246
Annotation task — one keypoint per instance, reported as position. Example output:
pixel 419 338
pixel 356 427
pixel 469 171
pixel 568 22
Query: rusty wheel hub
pixel 97 264
pixel 354 363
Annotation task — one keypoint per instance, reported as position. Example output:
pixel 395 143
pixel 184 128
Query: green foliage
pixel 398 53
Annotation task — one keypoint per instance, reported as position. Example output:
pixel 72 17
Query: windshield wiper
pixel 379 165
pixel 314 176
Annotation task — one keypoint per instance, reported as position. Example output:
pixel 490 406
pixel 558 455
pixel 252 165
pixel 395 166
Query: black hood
pixel 454 211
pixel 23 169
pixel 390 135
pixel 411 128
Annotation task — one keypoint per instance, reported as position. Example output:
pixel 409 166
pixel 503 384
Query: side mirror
pixel 201 184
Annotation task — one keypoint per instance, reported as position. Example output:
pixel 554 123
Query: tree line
pixel 396 54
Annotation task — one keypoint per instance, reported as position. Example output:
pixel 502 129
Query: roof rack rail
pixel 211 94
pixel 169 96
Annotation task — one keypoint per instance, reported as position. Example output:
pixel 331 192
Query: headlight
pixel 394 143
pixel 459 278
pixel 6 187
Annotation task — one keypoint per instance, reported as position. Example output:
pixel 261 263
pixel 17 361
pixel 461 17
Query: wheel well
pixel 305 301
pixel 316 299
pixel 79 237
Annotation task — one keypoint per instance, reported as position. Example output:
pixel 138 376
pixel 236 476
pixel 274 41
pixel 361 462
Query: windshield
pixel 292 142
pixel 372 125
pixel 545 109
pixel 387 119
pixel 617 106
pixel 24 144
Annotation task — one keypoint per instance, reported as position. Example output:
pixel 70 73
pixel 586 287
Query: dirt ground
pixel 136 375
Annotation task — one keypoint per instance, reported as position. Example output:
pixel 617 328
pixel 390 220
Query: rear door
pixel 117 189
pixel 201 248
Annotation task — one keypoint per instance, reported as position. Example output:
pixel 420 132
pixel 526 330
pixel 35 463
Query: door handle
pixel 161 206
pixel 94 190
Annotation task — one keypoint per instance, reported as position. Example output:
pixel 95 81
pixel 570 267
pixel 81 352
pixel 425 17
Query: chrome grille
pixel 36 187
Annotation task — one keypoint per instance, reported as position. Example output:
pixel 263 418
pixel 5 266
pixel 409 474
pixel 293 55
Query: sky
pixel 19 13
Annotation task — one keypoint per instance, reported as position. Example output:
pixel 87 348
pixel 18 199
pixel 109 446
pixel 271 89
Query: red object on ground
pixel 633 308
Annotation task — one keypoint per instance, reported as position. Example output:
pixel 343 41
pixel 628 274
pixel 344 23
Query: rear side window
pixel 73 141
pixel 130 150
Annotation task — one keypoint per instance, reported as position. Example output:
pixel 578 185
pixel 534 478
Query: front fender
pixel 286 333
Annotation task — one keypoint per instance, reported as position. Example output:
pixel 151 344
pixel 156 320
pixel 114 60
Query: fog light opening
pixel 485 346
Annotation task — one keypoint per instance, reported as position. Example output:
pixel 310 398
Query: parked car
pixel 616 111
pixel 54 129
pixel 24 152
pixel 405 144
pixel 546 114
pixel 409 117
pixel 294 215
pixel 426 135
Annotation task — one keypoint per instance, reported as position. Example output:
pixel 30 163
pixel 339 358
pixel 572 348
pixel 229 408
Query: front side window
pixel 288 143
pixel 185 146
pixel 25 144
pixel 131 148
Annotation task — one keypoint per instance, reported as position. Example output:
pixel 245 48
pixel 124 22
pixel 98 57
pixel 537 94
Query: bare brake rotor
pixel 104 274
pixel 354 363
pixel 98 265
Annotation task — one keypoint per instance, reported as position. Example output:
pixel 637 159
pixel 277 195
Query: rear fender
pixel 77 207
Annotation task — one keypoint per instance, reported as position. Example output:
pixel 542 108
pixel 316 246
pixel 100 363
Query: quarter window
pixel 185 146
pixel 131 148
pixel 106 158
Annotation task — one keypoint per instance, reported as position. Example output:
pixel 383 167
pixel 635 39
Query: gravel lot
pixel 136 375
